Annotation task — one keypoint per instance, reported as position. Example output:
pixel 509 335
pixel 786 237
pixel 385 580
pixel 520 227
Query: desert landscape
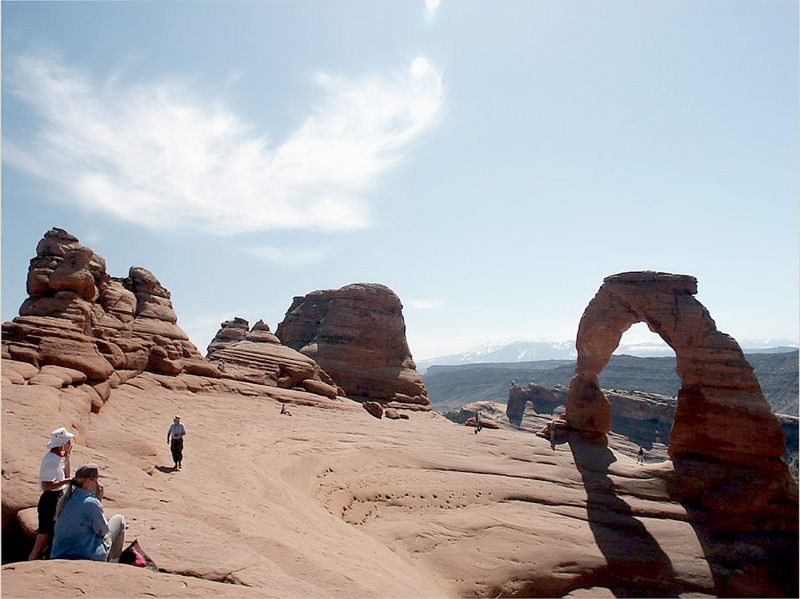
pixel 362 490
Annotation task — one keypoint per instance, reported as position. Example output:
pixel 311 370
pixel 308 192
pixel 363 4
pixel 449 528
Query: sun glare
pixel 432 4
pixel 420 67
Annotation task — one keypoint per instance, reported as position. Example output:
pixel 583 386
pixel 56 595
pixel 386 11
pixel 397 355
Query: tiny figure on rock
pixel 175 435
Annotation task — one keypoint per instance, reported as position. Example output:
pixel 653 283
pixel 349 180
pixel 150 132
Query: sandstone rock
pixel 542 399
pixel 259 357
pixel 319 388
pixel 357 335
pixel 230 332
pixel 337 507
pixel 374 408
pixel 25 370
pixel 721 412
pixel 391 414
pixel 77 316
pixel 28 521
pixel 721 417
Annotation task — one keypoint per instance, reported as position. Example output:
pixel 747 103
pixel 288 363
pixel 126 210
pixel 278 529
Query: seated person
pixel 81 530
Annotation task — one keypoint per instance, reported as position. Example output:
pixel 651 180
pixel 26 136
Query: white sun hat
pixel 59 438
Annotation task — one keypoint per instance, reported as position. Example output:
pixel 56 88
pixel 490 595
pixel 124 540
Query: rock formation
pixel 644 418
pixel 358 336
pixel 258 356
pixel 721 412
pixel 541 398
pixel 331 502
pixel 79 317
pixel 725 438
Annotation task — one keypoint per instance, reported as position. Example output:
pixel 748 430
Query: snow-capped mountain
pixel 505 351
pixel 531 351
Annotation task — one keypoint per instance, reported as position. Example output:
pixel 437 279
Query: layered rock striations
pixel 724 434
pixel 77 316
pixel 358 336
pixel 258 356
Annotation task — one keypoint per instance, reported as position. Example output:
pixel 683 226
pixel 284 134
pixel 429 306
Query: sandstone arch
pixel 721 412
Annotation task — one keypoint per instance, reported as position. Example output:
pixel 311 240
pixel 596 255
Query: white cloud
pixel 286 256
pixel 166 156
pixel 423 304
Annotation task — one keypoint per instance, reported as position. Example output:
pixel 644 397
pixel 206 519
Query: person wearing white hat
pixel 175 435
pixel 54 474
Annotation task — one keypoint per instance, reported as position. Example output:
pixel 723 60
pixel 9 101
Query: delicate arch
pixel 721 411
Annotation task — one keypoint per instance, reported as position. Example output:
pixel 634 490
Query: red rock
pixel 79 317
pixel 374 408
pixel 723 427
pixel 721 412
pixel 357 335
pixel 257 356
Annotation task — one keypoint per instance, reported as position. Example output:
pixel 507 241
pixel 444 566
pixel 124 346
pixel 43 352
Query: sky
pixel 489 161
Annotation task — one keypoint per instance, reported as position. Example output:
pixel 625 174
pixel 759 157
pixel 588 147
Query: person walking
pixel 175 435
pixel 640 459
pixel 81 530
pixel 54 474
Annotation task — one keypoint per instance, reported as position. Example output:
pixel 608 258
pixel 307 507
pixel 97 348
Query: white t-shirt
pixel 52 469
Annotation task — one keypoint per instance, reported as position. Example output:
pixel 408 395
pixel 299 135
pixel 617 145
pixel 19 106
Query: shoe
pixel 179 465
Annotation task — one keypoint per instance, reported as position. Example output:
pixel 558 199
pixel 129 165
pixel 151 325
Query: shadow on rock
pixel 746 521
pixel 636 564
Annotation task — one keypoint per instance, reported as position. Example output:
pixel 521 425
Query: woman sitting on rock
pixel 81 530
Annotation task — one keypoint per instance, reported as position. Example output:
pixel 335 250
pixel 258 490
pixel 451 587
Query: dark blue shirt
pixel 80 529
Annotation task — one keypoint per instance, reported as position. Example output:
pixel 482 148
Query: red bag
pixel 134 555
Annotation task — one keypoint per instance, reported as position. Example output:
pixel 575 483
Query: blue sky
pixel 490 161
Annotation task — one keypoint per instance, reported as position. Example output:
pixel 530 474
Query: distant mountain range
pixel 452 386
pixel 530 351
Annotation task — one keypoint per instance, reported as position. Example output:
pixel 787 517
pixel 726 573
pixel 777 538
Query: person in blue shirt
pixel 81 530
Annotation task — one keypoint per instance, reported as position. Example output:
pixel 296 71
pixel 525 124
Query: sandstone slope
pixel 332 502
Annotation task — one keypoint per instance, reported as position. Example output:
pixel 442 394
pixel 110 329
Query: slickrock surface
pixel 725 439
pixel 332 502
pixel 358 336
pixel 259 357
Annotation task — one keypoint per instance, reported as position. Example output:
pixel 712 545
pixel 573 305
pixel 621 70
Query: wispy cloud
pixel 426 304
pixel 167 156
pixel 286 256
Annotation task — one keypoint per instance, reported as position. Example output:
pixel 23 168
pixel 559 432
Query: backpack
pixel 134 555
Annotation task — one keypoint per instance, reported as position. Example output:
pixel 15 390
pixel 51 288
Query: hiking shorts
pixel 46 508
